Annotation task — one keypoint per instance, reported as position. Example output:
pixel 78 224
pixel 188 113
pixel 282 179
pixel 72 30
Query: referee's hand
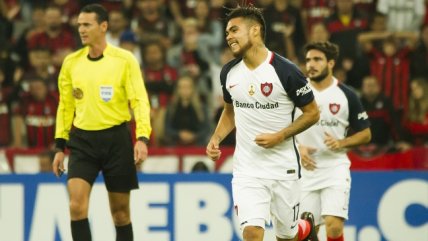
pixel 140 152
pixel 58 164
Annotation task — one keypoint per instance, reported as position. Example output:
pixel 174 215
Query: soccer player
pixel 261 90
pixel 326 177
pixel 96 84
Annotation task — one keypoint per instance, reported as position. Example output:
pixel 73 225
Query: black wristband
pixel 143 139
pixel 60 144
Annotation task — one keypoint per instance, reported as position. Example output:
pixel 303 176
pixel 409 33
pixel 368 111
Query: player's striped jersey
pixel 340 109
pixel 264 100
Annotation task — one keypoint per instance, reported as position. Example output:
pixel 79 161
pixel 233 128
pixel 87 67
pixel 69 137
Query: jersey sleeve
pixel 358 118
pixel 66 107
pixel 223 77
pixel 293 81
pixel 138 98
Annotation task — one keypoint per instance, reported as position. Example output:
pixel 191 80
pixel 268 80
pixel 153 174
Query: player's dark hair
pixel 330 50
pixel 98 9
pixel 249 12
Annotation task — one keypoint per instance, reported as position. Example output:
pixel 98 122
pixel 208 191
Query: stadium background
pixel 389 197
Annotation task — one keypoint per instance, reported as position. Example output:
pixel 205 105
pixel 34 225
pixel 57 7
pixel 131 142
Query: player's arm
pixel 358 121
pixel 225 125
pixel 64 117
pixel 309 117
pixel 358 138
pixel 137 96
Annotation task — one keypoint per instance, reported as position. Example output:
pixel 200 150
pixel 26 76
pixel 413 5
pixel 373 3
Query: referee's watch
pixel 143 139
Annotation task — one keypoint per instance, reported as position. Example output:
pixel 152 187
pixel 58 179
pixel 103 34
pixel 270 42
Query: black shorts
pixel 109 151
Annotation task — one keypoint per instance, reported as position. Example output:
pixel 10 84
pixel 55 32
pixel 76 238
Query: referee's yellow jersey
pixel 95 93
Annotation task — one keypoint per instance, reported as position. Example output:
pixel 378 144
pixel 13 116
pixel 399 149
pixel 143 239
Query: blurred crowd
pixel 181 47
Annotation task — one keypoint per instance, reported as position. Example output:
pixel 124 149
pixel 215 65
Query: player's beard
pixel 243 49
pixel 321 76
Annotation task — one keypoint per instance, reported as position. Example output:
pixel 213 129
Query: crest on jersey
pixel 251 90
pixel 334 108
pixel 77 93
pixel 106 93
pixel 266 88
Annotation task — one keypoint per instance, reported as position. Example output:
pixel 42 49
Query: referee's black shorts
pixel 109 151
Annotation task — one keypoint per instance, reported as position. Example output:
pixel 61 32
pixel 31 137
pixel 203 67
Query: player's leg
pixel 253 233
pixel 120 211
pixel 79 191
pixel 310 201
pixel 252 200
pixel 285 210
pixel 120 176
pixel 334 227
pixel 83 168
pixel 335 211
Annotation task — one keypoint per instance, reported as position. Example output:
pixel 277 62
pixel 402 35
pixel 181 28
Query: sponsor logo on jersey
pixel 266 88
pixel 256 105
pixel 77 93
pixel 251 89
pixel 304 90
pixel 106 93
pixel 363 116
pixel 328 123
pixel 334 108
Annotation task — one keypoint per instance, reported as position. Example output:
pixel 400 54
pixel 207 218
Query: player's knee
pixel 334 229
pixel 253 233
pixel 121 218
pixel 78 210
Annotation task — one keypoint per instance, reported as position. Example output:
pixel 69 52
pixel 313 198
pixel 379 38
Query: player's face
pixel 90 31
pixel 238 36
pixel 317 66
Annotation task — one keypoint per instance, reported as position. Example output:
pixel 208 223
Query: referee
pixel 97 84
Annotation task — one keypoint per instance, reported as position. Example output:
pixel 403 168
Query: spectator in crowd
pixel 6 94
pixel 211 30
pixel 187 121
pixel 160 79
pixel 416 119
pixel 385 125
pixel 181 9
pixel 318 33
pixel 57 37
pixel 34 118
pixel 153 24
pixel 419 59
pixel 316 11
pixel 356 70
pixel 344 26
pixel 70 10
pixel 41 66
pixel 390 65
pixel 219 9
pixel 190 57
pixel 6 24
pixel 36 26
pixel 402 15
pixel 284 29
pixel 129 41
pixel 118 24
